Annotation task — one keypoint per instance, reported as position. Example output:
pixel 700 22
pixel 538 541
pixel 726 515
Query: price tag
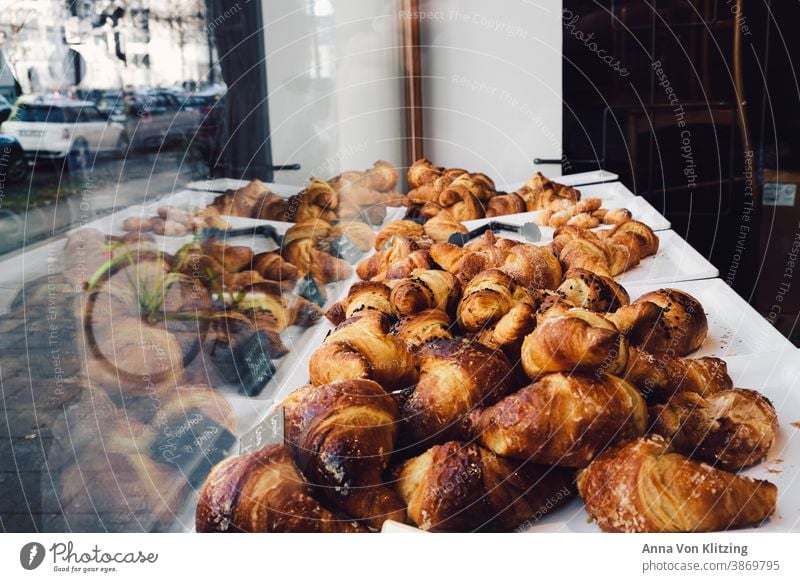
pixel 193 443
pixel 248 366
pixel 269 431
pixel 308 289
pixel 344 249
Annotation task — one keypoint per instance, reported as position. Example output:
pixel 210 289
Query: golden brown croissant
pixel 643 486
pixel 730 429
pixel 273 267
pixel 423 327
pixel 565 234
pixel 231 258
pixel 583 220
pixel 582 253
pixel 466 263
pixel 442 226
pixel 362 296
pixel 511 330
pixel 644 235
pixel 407 228
pixel 263 492
pixel 503 204
pixel 660 375
pixel 574 340
pixel 362 347
pixel 455 377
pixel 273 207
pixel 301 251
pixel 425 289
pixel 592 291
pixel 563 419
pixel 382 176
pixel 403 268
pixel 462 487
pixel 533 266
pixel 422 172
pixel 488 297
pixel 342 436
pixel 666 320
pixel 268 301
pixel 376 264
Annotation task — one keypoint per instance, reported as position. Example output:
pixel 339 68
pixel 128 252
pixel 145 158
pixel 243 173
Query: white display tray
pixel 593 177
pixel 775 375
pixel 223 184
pixel 676 260
pixel 734 327
pixel 611 191
pixel 639 207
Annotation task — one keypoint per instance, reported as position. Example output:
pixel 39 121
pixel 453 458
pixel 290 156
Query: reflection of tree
pixel 187 21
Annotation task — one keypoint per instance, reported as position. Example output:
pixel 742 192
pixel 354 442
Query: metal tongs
pixel 529 231
pixel 265 230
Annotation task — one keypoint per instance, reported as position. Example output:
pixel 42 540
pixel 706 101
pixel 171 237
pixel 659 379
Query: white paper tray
pixel 223 184
pixel 734 327
pixel 676 260
pixel 593 177
pixel 639 207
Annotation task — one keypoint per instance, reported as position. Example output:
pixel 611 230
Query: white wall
pixel 492 95
pixel 335 92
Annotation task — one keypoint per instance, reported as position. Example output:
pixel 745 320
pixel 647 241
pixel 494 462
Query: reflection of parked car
pixel 5 109
pixel 71 130
pixel 13 163
pixel 162 116
pixel 109 102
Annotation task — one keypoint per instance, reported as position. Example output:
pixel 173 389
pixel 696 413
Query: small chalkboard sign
pixel 308 289
pixel 193 443
pixel 269 431
pixel 248 366
pixel 344 249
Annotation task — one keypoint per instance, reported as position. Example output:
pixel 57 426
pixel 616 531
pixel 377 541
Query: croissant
pixel 462 487
pixel 582 253
pixel 324 268
pixel 455 376
pixel 342 436
pixel 359 233
pixel 667 320
pixel 382 176
pixel 271 266
pixel 362 347
pixel 268 300
pixel 510 203
pixel 592 291
pixel 583 220
pixel 574 340
pixel 362 296
pixel 403 268
pixel 407 228
pixel 563 419
pixel 263 492
pixel 565 234
pixel 231 258
pixel 273 207
pixel 442 226
pixel 376 264
pixel 643 234
pixel 660 375
pixel 424 327
pixel 533 266
pixel 730 429
pixel 422 172
pixel 487 298
pixel 464 262
pixel 644 486
pixel 511 330
pixel 425 289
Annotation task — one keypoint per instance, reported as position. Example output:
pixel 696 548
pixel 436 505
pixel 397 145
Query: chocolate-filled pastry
pixel 407 228
pixel 667 320
pixel 574 340
pixel 423 327
pixel 563 419
pixel 363 296
pixel 644 486
pixel 425 289
pixel 592 291
pixel 462 487
pixel 455 377
pixel 362 347
pixel 731 429
pixel 263 492
pixel 659 375
pixel 342 436
pixel 533 266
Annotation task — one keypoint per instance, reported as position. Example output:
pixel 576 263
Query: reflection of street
pixel 51 201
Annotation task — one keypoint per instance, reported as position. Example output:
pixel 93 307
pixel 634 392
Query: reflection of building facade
pixel 91 44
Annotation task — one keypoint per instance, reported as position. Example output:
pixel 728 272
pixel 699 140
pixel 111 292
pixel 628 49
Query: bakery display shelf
pixel 641 210
pixel 734 327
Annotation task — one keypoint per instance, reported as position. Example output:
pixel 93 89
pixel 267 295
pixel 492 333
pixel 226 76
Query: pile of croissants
pixel 478 388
